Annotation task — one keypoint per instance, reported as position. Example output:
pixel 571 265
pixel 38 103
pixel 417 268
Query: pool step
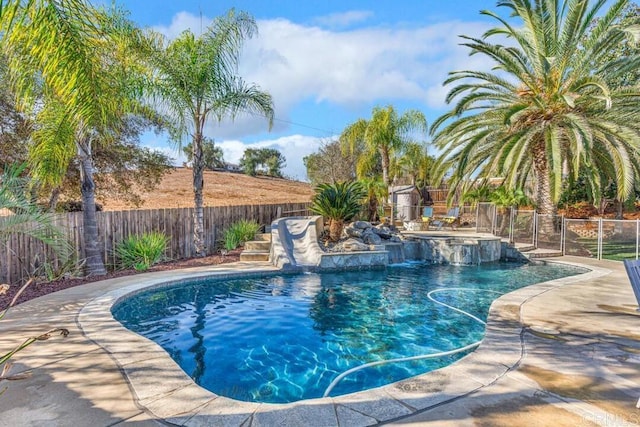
pixel 258 249
pixel 254 256
pixel 542 253
pixel 262 237
pixel 257 245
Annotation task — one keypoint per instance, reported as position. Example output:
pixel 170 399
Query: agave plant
pixel 338 203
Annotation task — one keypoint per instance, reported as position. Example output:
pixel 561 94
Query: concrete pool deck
pixel 565 352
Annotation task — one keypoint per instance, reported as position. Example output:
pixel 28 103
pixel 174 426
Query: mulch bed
pixel 38 289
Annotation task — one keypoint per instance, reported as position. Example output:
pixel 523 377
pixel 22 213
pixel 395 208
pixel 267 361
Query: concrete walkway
pixel 562 353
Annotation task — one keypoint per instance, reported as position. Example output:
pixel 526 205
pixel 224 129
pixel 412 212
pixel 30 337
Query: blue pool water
pixel 284 338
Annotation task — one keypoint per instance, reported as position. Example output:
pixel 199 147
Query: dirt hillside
pixel 220 189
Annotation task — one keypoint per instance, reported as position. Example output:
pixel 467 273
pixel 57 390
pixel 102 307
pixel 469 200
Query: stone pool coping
pixel 161 387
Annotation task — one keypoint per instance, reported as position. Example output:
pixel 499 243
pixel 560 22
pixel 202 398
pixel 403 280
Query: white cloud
pixel 366 66
pixel 295 62
pixel 343 19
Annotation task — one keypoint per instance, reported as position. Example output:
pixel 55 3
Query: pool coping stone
pixel 499 352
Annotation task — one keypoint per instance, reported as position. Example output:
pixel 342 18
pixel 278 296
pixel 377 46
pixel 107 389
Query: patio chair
pixel 633 272
pixel 450 219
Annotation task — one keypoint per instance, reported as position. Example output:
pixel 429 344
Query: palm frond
pixel 562 112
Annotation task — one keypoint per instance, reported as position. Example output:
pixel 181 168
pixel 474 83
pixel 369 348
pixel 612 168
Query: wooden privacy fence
pixel 23 257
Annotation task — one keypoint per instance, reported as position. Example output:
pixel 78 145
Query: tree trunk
pixel 94 266
pixel 505 217
pixel 335 229
pixel 198 184
pixel 373 208
pixel 53 199
pixel 619 209
pixel 384 155
pixel 544 203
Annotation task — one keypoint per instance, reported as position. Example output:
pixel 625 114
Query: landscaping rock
pixel 363 236
pixel 353 245
pixel 371 238
pixel 351 231
pixel 382 231
pixel 362 225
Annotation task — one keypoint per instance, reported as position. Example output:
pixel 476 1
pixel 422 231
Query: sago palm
pixel 338 203
pixel 196 81
pixel 545 110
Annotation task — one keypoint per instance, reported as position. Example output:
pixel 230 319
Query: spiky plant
pixel 338 203
pixel 143 251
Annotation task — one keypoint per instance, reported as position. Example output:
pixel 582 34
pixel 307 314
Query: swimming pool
pixel 284 338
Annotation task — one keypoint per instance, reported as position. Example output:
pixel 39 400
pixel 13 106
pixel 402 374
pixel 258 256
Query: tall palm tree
pixel 196 80
pixel 547 108
pixel 385 134
pixel 67 62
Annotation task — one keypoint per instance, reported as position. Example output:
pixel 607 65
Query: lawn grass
pixel 611 250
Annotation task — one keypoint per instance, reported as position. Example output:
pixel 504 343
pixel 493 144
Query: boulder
pixel 371 238
pixel 353 245
pixel 382 231
pixel 395 239
pixel 351 231
pixel 362 225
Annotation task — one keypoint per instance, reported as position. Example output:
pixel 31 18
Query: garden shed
pixel 406 199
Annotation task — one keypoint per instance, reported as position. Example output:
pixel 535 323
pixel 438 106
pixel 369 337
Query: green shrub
pixel 141 252
pixel 239 233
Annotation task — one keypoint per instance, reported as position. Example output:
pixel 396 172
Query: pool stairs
pixel 258 249
pixel 532 252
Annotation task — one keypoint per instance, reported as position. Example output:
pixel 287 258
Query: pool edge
pixel 177 399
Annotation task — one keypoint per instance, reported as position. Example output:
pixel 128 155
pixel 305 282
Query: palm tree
pixel 338 203
pixel 546 109
pixel 67 62
pixel 416 163
pixel 385 134
pixel 376 192
pixel 197 80
pixel 505 199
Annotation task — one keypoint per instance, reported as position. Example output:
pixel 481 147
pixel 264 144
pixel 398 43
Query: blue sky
pixel 328 63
